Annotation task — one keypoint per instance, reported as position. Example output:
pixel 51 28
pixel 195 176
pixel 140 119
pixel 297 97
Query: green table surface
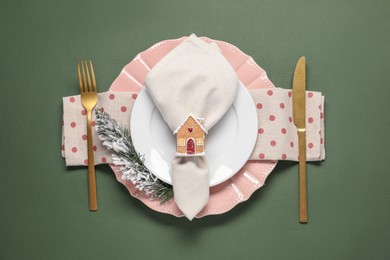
pixel 43 203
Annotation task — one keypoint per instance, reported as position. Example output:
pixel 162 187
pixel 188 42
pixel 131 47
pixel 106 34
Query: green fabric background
pixel 43 204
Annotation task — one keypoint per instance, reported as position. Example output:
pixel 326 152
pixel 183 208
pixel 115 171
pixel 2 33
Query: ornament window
pixel 181 142
pixel 199 141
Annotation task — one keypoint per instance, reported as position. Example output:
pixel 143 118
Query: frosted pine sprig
pixel 117 137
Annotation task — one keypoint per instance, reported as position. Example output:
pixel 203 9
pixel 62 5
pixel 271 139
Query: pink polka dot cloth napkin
pixel 74 126
pixel 277 134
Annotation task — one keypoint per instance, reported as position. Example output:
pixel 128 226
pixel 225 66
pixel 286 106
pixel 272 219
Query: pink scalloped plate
pixel 253 174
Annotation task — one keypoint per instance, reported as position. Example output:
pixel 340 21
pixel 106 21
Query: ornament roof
pixel 185 120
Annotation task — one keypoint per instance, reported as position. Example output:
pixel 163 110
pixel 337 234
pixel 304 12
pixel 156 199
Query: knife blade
pixel 299 119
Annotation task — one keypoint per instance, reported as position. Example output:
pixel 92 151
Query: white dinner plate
pixel 228 144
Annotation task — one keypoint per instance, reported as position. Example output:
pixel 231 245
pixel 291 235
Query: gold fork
pixel 88 100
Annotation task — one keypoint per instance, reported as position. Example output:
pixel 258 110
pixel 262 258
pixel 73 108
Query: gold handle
pixel 303 218
pixel 91 167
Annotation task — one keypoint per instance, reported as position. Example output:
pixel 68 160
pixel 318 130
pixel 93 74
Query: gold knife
pixel 299 117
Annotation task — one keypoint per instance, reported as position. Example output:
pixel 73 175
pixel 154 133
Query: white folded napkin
pixel 193 79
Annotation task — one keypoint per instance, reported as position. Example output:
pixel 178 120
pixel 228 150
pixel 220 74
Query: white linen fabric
pixel 194 78
pixel 196 186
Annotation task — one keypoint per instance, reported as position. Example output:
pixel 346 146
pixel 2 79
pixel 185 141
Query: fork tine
pixel 88 77
pixel 93 77
pixel 84 77
pixel 79 74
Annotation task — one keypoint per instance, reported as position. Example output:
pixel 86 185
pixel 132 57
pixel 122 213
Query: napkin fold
pixel 190 181
pixel 193 79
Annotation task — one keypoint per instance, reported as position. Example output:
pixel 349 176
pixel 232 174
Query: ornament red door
pixel 190 146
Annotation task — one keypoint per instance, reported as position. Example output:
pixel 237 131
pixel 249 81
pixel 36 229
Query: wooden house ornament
pixel 190 137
